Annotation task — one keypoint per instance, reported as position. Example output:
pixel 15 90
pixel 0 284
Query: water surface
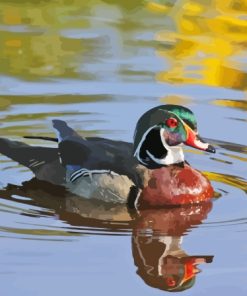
pixel 99 65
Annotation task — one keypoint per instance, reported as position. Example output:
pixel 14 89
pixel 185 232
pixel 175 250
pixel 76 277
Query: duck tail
pixel 14 150
pixel 30 156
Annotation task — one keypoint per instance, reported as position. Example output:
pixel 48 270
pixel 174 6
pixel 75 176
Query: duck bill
pixel 194 140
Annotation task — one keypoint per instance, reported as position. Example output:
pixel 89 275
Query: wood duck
pixel 151 172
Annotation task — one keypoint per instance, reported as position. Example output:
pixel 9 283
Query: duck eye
pixel 171 122
pixel 170 282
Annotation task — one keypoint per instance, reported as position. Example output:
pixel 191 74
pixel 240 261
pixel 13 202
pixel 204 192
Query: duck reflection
pixel 53 200
pixel 157 247
pixel 156 234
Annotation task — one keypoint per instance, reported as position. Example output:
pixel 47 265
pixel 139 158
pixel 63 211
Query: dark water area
pixel 99 65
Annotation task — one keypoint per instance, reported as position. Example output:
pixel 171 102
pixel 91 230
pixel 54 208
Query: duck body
pixel 107 186
pixel 161 187
pixel 109 170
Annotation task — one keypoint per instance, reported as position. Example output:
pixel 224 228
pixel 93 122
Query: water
pixel 99 65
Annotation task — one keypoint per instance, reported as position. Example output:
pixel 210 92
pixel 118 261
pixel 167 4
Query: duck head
pixel 160 133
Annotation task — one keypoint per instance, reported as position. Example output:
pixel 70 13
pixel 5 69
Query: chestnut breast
pixel 173 185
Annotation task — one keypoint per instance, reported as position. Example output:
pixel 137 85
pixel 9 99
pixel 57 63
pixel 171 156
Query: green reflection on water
pixel 5 101
pixel 38 231
pixel 203 41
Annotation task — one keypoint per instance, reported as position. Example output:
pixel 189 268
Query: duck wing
pixel 77 152
pixel 74 153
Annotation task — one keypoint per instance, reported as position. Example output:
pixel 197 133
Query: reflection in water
pixel 234 181
pixel 229 146
pixel 241 158
pixel 61 39
pixel 206 45
pixel 33 50
pixel 156 234
pixel 232 103
pixel 157 247
pixel 239 182
pixel 76 211
pixel 203 41
pixel 80 54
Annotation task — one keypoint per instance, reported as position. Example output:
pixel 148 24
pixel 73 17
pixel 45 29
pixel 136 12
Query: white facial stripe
pixel 137 152
pixel 174 153
pixel 172 243
pixel 143 139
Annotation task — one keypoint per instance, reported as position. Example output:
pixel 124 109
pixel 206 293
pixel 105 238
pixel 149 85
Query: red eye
pixel 170 282
pixel 171 122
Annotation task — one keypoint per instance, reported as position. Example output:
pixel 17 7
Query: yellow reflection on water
pixel 177 100
pixel 157 7
pixel 227 179
pixel 207 44
pixel 11 15
pixel 232 103
pixel 235 156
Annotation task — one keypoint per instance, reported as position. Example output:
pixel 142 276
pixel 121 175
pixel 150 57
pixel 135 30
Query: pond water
pixel 99 65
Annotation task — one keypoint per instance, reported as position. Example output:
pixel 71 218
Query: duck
pixel 150 172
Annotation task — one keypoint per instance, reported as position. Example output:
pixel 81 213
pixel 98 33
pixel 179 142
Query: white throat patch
pixel 174 153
